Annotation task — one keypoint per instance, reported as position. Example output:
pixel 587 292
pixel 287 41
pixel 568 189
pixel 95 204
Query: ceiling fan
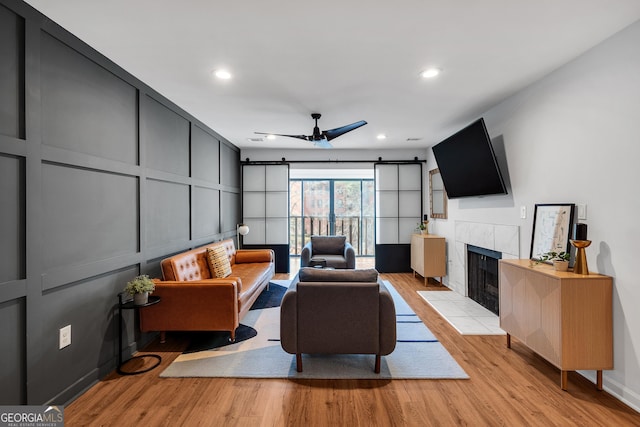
pixel 321 139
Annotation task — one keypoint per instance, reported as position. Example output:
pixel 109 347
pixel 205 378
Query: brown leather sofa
pixel 337 312
pixel 191 300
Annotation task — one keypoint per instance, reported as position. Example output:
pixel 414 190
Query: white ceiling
pixel 347 59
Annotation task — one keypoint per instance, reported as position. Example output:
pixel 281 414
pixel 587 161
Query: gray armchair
pixel 337 312
pixel 334 250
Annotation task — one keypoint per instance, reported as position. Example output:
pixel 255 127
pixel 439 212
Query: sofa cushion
pixel 218 261
pixel 311 274
pixel 328 244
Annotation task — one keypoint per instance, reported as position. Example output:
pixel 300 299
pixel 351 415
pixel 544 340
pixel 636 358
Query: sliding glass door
pixel 332 206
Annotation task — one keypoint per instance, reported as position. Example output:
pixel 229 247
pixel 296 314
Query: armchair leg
pixel 377 368
pixel 298 362
pixel 232 338
pixel 163 337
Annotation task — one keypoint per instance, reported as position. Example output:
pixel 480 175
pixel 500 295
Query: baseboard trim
pixel 616 389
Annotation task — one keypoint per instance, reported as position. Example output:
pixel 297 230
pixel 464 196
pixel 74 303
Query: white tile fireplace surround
pixel 501 238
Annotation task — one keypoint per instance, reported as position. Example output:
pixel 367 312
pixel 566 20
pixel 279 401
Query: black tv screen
pixel 468 163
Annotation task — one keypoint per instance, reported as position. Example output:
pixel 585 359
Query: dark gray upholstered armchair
pixel 335 250
pixel 337 312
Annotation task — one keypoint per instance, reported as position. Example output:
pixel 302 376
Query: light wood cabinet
pixel 428 256
pixel 564 317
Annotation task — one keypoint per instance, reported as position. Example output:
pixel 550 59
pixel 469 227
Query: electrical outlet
pixel 65 337
pixel 523 212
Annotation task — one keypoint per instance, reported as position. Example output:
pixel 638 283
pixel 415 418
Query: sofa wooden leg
pixel 163 337
pixel 299 362
pixel 377 368
pixel 232 338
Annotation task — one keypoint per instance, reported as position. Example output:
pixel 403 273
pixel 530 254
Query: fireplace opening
pixel 482 277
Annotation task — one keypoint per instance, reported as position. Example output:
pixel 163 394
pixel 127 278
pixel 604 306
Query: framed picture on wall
pixel 552 224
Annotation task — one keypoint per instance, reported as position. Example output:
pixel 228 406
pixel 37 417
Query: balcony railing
pixel 358 230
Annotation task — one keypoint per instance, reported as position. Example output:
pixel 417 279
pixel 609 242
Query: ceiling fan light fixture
pixel 430 73
pixel 381 136
pixel 320 138
pixel 222 74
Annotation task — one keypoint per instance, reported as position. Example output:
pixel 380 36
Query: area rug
pixel 418 354
pixel 464 314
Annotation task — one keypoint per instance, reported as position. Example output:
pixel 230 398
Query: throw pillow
pixel 218 261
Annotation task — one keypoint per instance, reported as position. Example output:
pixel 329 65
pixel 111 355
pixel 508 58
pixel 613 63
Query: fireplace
pixel 482 276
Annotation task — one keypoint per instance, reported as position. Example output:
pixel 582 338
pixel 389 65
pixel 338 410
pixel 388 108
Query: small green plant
pixel 422 226
pixel 555 256
pixel 140 284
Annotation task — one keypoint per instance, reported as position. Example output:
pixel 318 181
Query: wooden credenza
pixel 428 256
pixel 564 317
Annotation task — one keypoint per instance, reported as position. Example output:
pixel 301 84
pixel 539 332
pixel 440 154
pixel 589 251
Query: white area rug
pixel 464 314
pixel 418 354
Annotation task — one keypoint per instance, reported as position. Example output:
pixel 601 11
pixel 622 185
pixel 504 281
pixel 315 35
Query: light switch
pixel 582 211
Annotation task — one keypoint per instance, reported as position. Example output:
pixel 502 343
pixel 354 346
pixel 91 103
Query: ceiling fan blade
pixel 305 137
pixel 334 133
pixel 322 143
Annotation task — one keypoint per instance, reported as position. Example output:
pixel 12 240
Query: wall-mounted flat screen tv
pixel 468 163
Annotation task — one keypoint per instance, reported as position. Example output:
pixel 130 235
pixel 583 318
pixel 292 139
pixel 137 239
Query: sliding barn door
pixel 265 209
pixel 398 210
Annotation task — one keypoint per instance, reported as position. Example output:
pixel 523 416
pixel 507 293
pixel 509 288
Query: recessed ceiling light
pixel 271 137
pixel 430 73
pixel 222 74
pixel 381 136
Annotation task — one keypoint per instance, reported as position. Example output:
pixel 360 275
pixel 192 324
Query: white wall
pixel 574 137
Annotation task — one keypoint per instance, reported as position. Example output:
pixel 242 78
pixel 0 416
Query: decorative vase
pixel 424 232
pixel 141 298
pixel 580 266
pixel 561 265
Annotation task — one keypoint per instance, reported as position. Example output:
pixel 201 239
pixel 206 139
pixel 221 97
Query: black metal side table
pixel 129 305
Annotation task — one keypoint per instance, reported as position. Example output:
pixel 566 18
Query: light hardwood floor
pixel 507 388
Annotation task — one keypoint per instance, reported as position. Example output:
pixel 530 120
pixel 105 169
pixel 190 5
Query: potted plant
pixel 140 287
pixel 560 260
pixel 422 226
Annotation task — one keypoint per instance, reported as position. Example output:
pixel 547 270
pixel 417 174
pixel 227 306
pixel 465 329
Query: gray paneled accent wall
pixel 100 178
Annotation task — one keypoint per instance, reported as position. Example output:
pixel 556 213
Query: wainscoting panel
pixel 229 169
pixel 229 211
pixel 167 214
pixel 205 203
pixel 85 108
pixel 165 136
pixel 11 74
pixel 12 368
pixel 204 147
pixel 12 212
pixel 90 307
pixel 88 216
